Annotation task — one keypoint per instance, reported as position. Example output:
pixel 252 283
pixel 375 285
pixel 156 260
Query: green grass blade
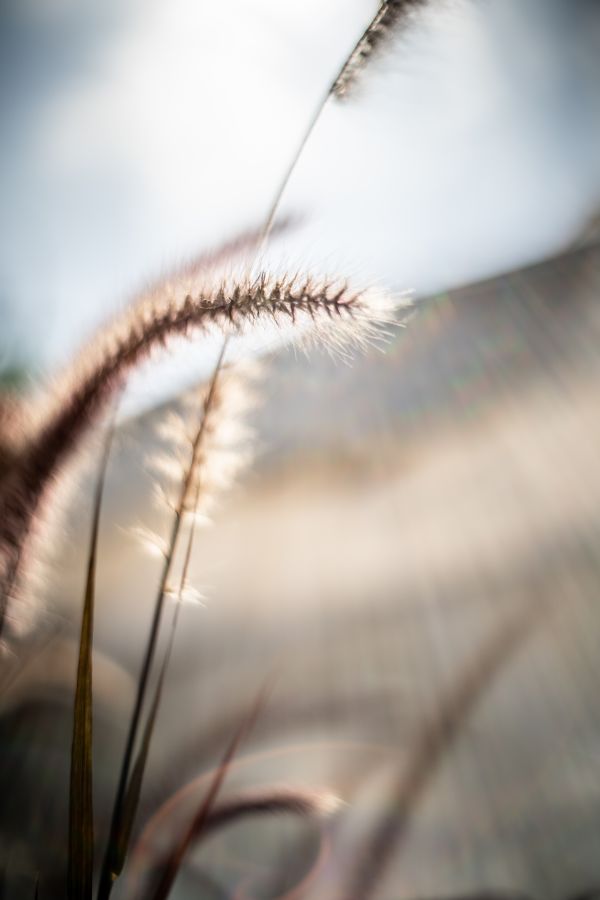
pixel 81 807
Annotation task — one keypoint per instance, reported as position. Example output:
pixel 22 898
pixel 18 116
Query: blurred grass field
pixel 399 511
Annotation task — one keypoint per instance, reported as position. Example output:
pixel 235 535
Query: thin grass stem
pixel 116 850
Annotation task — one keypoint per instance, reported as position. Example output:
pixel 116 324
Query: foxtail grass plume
pixel 225 446
pixel 391 16
pixel 322 311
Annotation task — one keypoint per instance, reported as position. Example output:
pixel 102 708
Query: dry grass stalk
pixel 223 398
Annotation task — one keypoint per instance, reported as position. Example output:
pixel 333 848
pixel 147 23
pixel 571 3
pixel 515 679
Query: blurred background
pixel 401 509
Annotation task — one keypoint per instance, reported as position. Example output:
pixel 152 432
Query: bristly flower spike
pixel 328 312
pixel 389 18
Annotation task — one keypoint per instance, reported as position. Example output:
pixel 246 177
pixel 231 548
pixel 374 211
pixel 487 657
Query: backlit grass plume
pixel 389 18
pixel 321 311
pixel 220 410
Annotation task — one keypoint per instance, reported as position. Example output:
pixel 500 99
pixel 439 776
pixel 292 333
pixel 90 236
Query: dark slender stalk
pixel 272 212
pixel 131 800
pixel 115 852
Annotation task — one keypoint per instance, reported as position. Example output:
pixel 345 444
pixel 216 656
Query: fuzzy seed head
pixel 314 311
pixel 389 18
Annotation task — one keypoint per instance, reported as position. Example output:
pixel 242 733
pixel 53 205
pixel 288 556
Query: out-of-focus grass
pixel 372 565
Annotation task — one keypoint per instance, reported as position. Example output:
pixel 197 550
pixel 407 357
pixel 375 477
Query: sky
pixel 137 133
